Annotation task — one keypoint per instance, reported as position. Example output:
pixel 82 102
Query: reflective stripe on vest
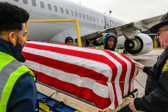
pixel 100 47
pixel 118 51
pixel 10 71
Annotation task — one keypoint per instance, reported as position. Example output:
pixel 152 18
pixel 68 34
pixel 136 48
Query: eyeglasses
pixel 159 32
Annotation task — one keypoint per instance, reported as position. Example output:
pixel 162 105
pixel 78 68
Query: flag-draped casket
pixel 100 76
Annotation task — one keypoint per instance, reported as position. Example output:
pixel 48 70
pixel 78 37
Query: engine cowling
pixel 140 45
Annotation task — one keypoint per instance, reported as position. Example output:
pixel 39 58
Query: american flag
pixel 100 76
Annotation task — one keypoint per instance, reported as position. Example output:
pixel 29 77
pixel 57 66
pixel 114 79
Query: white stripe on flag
pixel 98 88
pixel 93 51
pixel 118 65
pixel 127 77
pixel 96 66
pixel 132 81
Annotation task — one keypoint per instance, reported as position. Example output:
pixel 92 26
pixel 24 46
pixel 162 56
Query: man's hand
pixel 99 39
pixel 131 104
pixel 139 65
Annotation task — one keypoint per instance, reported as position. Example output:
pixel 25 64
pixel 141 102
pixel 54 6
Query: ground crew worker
pixel 17 82
pixel 156 96
pixel 110 42
pixel 69 41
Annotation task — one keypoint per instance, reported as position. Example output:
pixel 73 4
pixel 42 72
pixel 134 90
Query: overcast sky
pixel 128 10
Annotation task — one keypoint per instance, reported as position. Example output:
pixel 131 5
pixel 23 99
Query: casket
pixel 99 76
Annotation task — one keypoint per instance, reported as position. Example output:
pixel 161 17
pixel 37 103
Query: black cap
pixel 68 38
pixel 163 21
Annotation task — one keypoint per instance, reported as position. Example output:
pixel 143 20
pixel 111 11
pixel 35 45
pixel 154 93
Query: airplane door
pixel 106 23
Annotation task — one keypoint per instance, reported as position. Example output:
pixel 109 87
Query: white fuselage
pixel 89 20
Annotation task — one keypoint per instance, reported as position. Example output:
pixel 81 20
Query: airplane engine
pixel 140 45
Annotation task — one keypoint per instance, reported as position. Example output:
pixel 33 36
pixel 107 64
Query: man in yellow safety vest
pixel 17 82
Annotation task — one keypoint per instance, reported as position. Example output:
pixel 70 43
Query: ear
pixel 12 39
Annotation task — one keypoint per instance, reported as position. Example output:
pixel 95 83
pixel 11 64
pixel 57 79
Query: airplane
pixel 92 24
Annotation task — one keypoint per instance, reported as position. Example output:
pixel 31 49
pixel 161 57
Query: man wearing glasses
pixel 156 91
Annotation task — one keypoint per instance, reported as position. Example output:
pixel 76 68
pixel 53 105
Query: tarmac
pixel 148 59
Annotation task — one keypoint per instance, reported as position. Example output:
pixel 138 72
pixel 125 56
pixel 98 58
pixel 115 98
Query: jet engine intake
pixel 140 45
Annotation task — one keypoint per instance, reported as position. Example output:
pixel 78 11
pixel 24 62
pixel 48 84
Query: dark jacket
pixel 23 96
pixel 156 92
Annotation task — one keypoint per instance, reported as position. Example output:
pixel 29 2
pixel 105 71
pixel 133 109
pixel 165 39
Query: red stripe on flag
pixel 66 67
pixel 124 68
pixel 85 72
pixel 80 92
pixel 85 55
pixel 132 71
pixel 123 73
pixel 81 54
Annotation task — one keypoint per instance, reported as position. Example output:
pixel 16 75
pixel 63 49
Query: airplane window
pixel 80 15
pixel 67 12
pixel 33 2
pixel 87 17
pixel 49 6
pixel 55 8
pixel 110 23
pixel 94 19
pixel 16 0
pixel 62 10
pixel 72 12
pixel 97 20
pixel 25 1
pixel 42 4
pixel 90 18
pixel 83 16
pixel 76 14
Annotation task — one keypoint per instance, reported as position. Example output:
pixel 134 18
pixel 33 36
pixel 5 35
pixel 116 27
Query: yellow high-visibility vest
pixel 10 71
pixel 102 47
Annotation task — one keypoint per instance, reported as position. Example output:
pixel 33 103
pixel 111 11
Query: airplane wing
pixel 128 30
